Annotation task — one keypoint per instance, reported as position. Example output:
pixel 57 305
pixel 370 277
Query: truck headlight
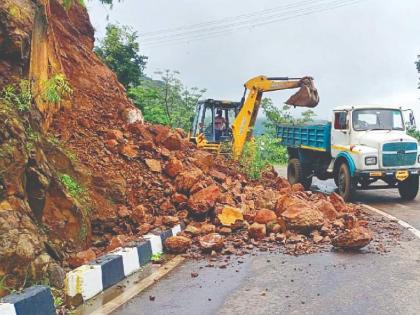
pixel 371 160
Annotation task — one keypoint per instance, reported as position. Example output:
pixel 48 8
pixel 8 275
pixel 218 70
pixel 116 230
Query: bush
pixel 260 154
pixel 19 96
pixel 56 88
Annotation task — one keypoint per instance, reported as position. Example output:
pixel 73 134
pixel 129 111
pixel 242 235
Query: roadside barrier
pixel 87 281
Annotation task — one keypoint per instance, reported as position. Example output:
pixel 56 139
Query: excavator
pixel 217 122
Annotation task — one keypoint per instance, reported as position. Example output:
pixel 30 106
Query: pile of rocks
pixel 168 180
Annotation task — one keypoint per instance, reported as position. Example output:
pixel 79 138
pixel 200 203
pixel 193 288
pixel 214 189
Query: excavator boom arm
pixel 307 96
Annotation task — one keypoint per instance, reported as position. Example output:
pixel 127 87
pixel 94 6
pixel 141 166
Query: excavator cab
pixel 212 123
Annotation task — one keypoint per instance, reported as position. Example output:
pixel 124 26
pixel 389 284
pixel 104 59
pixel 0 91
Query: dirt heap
pixel 80 178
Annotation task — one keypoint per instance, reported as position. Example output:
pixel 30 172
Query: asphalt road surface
pixel 326 283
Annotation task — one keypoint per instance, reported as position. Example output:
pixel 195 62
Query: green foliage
pixel 414 133
pixel 32 138
pixel 18 96
pixel 73 188
pixel 156 257
pixel 120 51
pixel 58 300
pixel 68 3
pixel 251 160
pixel 147 98
pixel 56 88
pixel 166 101
pixel 260 154
pixel 282 115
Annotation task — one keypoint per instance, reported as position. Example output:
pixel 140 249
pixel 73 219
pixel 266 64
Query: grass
pixel 71 185
pixel 79 193
pixel 156 257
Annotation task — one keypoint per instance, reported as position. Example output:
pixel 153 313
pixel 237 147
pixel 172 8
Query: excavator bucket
pixel 307 96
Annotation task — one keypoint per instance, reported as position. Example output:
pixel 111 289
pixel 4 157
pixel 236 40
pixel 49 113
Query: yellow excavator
pixel 218 122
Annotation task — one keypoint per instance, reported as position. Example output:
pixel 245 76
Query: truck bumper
pixel 385 174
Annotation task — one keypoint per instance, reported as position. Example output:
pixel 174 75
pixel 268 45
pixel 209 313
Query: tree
pixel 282 115
pixel 418 65
pixel 166 101
pixel 120 51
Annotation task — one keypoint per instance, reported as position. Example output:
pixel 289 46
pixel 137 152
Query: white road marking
pixel 404 224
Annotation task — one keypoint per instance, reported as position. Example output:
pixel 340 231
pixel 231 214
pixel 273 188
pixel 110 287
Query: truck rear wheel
pixel 345 182
pixel 409 188
pixel 296 174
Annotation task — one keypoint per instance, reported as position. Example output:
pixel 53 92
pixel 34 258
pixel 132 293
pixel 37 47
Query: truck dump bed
pixel 311 137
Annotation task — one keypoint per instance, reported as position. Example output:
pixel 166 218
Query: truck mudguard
pixel 349 160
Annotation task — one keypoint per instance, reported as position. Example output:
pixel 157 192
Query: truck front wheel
pixel 296 174
pixel 409 188
pixel 344 182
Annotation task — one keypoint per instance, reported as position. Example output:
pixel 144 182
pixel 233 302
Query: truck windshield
pixel 377 119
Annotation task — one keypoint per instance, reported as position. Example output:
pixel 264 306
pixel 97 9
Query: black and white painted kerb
pixel 90 280
pixel 87 281
pixel 36 300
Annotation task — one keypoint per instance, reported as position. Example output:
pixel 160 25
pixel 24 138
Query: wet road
pixel 324 283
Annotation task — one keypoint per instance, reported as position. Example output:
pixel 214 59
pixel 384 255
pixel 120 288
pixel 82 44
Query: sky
pixel 360 52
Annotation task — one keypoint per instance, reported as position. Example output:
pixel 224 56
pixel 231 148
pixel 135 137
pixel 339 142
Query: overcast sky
pixel 360 53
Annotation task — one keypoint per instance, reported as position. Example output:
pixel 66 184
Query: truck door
pixel 340 132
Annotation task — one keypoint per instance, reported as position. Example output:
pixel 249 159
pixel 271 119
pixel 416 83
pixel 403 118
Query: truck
pixel 363 147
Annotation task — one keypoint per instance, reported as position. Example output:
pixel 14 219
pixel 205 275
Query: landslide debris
pixel 81 178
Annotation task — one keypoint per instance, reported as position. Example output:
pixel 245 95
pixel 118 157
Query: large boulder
pixel 174 167
pixel 203 160
pixel 186 180
pixel 265 216
pixel 230 215
pixel 213 241
pixel 355 238
pixel 204 200
pixel 327 209
pixel 303 216
pixel 177 244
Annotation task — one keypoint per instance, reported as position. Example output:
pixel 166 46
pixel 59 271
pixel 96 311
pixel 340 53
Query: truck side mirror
pixel 412 120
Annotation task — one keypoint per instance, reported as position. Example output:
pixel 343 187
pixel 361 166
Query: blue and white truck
pixel 363 145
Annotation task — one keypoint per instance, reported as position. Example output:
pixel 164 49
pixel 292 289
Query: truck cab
pixel 362 145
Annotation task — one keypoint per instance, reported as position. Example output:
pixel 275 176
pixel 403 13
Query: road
pixel 324 283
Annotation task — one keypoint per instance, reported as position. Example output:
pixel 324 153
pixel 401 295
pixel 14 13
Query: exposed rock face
pixel 37 42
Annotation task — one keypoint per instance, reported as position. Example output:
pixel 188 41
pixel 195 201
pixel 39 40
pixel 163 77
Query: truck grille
pixel 399 154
